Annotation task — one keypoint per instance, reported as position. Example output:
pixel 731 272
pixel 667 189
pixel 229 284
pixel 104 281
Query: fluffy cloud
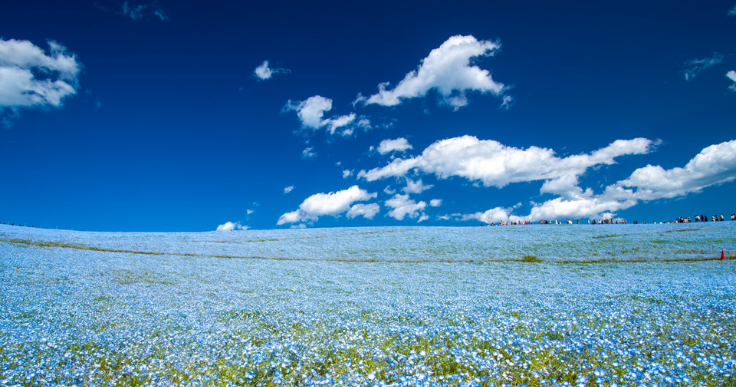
pixel 497 165
pixel 288 189
pixel 435 202
pixel 332 204
pixel 230 226
pixel 367 211
pixel 346 173
pixel 447 70
pixel 714 165
pixel 402 206
pixel 264 72
pixel 30 78
pixel 493 215
pixel 415 187
pixel 398 145
pixel 311 114
pixel 732 76
pixel 695 66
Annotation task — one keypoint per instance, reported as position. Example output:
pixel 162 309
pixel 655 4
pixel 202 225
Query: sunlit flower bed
pixel 603 305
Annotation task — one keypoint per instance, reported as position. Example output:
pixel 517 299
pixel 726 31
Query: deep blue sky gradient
pixel 185 137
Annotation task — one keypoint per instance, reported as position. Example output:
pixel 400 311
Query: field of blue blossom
pixel 542 305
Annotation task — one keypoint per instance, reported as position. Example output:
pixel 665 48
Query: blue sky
pixel 165 116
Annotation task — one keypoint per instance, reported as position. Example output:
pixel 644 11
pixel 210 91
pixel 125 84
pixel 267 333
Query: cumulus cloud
pixel 447 70
pixel 398 145
pixel 311 114
pixel 264 72
pixel 435 202
pixel 346 173
pixel 494 164
pixel 288 189
pixel 732 76
pixel 31 78
pixel 695 66
pixel 715 164
pixel 332 204
pixel 494 215
pixel 402 206
pixel 230 226
pixel 367 211
pixel 415 187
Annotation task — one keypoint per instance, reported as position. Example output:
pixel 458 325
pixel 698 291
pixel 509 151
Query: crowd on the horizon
pixel 698 218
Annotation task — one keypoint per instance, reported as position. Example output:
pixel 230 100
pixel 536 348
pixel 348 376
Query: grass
pixel 530 258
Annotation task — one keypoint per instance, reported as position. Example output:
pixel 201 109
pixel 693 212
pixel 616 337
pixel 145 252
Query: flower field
pixel 553 305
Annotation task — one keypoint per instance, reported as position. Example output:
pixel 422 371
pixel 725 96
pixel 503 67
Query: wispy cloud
pixel 309 153
pixel 288 189
pixel 732 11
pixel 136 11
pixel 447 70
pixel 696 66
pixel 264 72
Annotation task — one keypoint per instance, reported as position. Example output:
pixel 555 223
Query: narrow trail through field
pixel 50 244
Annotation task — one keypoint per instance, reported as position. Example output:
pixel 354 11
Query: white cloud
pixel 288 189
pixel 403 206
pixel 249 211
pixel 506 102
pixel 447 70
pixel 339 122
pixel 398 145
pixel 698 65
pixel 332 204
pixel 311 114
pixel 311 111
pixel 423 218
pixel 495 164
pixel 435 202
pixel 367 211
pixel 137 12
pixel 493 215
pixel 347 173
pixel 264 72
pixel 415 187
pixel 230 226
pixel 30 78
pixel 732 76
pixel 308 153
pixel 388 190
pixel 715 164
